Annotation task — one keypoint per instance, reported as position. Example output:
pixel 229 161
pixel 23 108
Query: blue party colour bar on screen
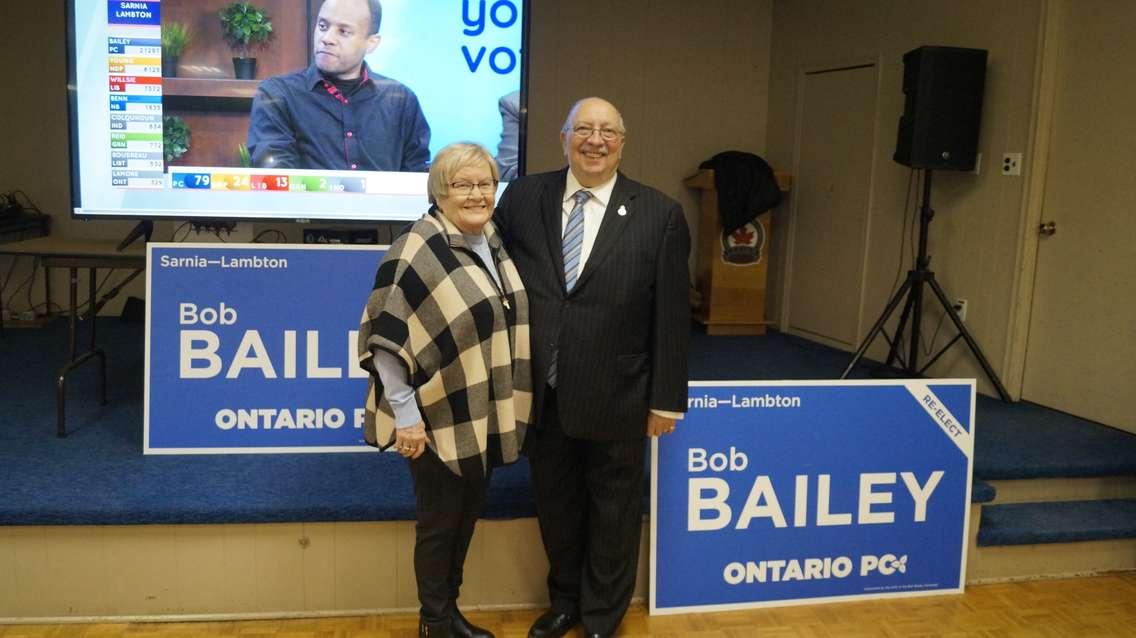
pixel 117 46
pixel 191 180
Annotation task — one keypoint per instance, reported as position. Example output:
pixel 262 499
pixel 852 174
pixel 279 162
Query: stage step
pixel 982 492
pixel 1065 495
pixel 1057 522
pixel 1056 513
pixel 1053 539
pixel 1063 489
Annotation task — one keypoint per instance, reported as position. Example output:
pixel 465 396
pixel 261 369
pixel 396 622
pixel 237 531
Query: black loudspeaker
pixel 943 109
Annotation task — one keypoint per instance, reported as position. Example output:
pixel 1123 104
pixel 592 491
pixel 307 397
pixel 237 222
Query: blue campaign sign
pixel 251 348
pixel 772 493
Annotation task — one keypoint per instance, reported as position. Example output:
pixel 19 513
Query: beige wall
pixel 690 78
pixel 974 240
pixel 33 112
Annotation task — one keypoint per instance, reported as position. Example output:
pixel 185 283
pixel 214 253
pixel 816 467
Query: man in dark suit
pixel 604 260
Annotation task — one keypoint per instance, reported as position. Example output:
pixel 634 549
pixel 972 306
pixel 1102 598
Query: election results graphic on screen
pixel 163 127
pixel 783 492
pixel 252 348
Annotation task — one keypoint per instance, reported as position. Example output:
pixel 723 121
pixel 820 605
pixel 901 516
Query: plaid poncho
pixel 464 342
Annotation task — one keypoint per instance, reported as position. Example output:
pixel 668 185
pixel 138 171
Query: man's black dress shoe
pixel 553 624
pixel 462 628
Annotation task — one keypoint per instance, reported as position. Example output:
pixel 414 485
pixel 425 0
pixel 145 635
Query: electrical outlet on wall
pixel 1011 163
pixel 960 306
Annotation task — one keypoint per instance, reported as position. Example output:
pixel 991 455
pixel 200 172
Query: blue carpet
pixel 1058 522
pixel 1025 440
pixel 98 475
pixel 1014 440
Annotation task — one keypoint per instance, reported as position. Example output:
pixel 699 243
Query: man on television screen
pixel 337 114
pixel 507 163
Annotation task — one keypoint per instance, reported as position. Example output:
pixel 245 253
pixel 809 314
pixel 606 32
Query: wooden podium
pixel 730 270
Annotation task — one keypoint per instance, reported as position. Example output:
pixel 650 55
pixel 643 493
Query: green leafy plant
pixel 244 26
pixel 244 158
pixel 175 137
pixel 175 38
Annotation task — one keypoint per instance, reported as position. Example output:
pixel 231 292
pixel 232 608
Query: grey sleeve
pixel 509 145
pixel 397 391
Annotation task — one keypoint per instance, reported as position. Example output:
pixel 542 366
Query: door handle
pixel 1047 228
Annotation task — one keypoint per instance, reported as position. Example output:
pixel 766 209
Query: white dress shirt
pixel 593 212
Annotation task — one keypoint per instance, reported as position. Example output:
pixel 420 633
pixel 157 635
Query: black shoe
pixel 433 629
pixel 462 628
pixel 553 624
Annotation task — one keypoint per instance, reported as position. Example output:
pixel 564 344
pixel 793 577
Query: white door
pixel 1081 351
pixel 830 218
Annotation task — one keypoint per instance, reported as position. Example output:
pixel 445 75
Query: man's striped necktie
pixel 573 241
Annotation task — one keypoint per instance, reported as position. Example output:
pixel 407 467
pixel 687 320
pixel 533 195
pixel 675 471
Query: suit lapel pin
pixel 622 210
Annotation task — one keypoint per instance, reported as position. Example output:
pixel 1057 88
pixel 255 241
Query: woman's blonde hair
pixel 452 159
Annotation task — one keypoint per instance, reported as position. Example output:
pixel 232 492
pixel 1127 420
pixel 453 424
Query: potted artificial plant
pixel 244 26
pixel 175 38
pixel 244 158
pixel 175 138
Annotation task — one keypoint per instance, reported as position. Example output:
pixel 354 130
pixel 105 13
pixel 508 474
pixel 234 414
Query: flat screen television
pixel 158 137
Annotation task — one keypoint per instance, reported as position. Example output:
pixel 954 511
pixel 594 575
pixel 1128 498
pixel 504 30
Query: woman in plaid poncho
pixel 445 337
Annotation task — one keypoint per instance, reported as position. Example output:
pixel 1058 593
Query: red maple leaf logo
pixel 742 236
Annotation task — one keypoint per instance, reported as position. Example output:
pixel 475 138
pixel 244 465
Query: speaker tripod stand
pixel 912 291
